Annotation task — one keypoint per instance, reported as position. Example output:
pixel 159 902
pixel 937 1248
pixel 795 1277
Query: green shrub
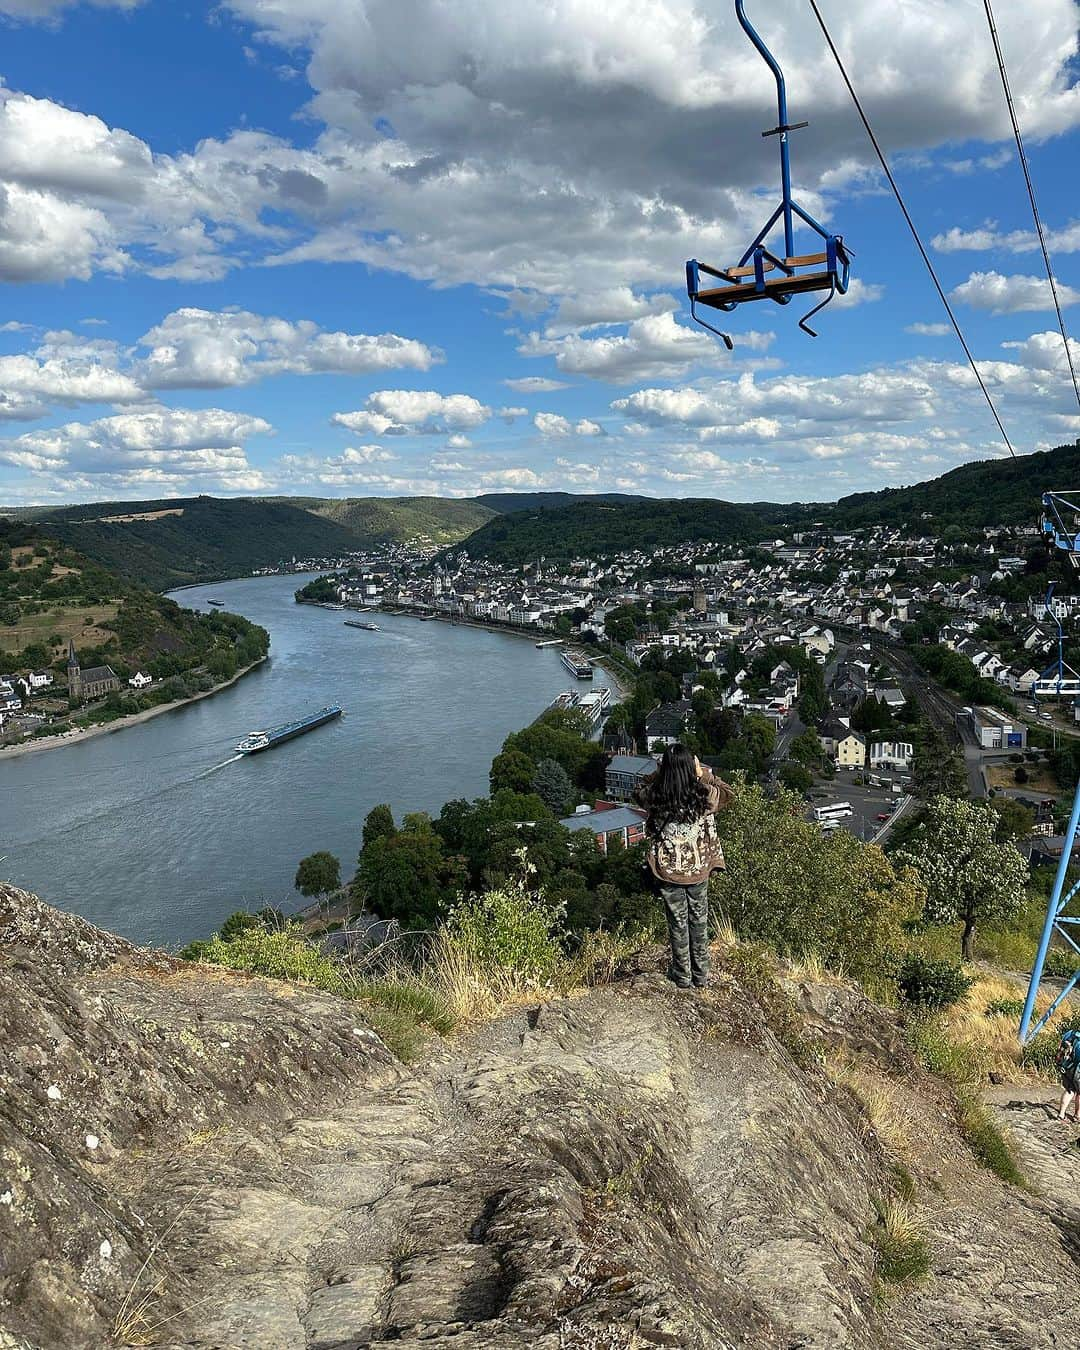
pixel 931 984
pixel 966 1066
pixel 284 954
pixel 1061 962
pixel 509 929
pixel 1005 1007
pixel 1040 1052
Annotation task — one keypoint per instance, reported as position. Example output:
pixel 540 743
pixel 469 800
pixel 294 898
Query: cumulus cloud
pixel 551 424
pixel 404 412
pixel 474 143
pixel 202 349
pixel 157 446
pixel 599 309
pixel 1011 294
pixel 989 236
pixel 653 348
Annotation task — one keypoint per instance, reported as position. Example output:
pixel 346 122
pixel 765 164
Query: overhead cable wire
pixel 911 224
pixel 1031 195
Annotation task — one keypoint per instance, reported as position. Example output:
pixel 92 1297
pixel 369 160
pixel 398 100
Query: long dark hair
pixel 675 794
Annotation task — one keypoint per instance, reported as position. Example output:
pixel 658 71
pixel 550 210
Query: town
pixel 848 649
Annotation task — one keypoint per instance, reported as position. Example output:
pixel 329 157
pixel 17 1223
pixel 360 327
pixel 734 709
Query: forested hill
pixel 393 520
pixel 595 526
pixel 172 542
pixel 989 492
pixel 506 503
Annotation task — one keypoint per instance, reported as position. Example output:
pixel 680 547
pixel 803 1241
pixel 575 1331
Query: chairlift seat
pixel 778 288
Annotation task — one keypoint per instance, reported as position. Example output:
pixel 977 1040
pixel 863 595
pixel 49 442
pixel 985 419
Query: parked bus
pixel 834 811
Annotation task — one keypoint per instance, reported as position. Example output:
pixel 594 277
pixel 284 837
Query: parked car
pixel 884 815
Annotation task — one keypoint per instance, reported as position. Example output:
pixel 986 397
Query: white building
pixel 893 755
pixel 140 680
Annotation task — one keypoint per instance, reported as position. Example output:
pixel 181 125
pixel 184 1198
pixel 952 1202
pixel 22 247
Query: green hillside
pixel 172 542
pixel 50 595
pixel 595 526
pixel 507 502
pixel 394 520
pixel 989 492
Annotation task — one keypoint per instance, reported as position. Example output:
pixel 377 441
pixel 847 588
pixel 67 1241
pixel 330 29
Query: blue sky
pixel 357 247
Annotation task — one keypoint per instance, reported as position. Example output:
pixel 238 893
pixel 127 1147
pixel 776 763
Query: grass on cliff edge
pixel 489 956
pixel 965 1066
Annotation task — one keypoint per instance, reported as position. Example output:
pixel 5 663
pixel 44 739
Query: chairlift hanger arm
pixel 746 280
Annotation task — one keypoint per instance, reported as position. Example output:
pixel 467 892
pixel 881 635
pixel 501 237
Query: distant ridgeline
pixel 171 542
pixel 994 492
pixel 176 541
pixel 50 594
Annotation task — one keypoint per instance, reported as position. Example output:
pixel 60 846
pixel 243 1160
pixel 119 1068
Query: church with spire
pixel 94 682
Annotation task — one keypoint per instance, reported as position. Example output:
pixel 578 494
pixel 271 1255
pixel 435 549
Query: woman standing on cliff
pixel 682 799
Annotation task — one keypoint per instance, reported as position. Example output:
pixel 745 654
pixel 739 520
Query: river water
pixel 159 831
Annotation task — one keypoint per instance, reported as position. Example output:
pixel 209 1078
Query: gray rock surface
pixel 629 1167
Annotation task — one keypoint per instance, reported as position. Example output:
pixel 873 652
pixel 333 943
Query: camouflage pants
pixel 687 910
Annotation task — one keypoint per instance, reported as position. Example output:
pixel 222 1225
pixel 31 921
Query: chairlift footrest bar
pixel 780 131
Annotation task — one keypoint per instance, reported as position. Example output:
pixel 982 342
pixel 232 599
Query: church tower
pixel 74 672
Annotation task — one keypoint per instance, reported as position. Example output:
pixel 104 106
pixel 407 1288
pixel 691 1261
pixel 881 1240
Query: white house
pixel 140 680
pixel 895 755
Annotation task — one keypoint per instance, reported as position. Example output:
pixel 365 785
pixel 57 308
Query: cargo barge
pixel 255 741
pixel 359 623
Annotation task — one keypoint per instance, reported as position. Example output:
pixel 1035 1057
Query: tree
pixel 760 736
pixel 797 777
pixel 967 874
pixel 813 700
pixel 408 877
pixel 804 893
pixel 807 748
pixel 937 770
pixel 1014 818
pixel 318 874
pixel 378 824
pixel 512 769
pixel 552 785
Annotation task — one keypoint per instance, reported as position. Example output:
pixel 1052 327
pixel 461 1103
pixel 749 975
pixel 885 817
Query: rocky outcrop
pixel 628 1167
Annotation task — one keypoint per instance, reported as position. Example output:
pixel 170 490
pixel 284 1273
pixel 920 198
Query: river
pixel 159 831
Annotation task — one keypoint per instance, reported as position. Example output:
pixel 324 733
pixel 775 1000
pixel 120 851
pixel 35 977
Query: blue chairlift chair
pixel 796 274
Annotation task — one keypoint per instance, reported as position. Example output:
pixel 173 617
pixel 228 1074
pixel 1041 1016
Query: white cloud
pixel 161 446
pixel 474 143
pixel 536 384
pixel 598 309
pixel 929 329
pixel 989 236
pixel 203 349
pixel 1010 294
pixel 402 412
pixel 551 424
pixel 653 348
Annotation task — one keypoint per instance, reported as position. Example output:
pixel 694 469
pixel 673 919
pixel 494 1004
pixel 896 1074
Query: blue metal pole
pixel 782 122
pixel 1051 916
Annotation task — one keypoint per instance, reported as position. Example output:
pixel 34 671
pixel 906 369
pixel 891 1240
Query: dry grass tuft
pixel 883 1101
pixel 994 1038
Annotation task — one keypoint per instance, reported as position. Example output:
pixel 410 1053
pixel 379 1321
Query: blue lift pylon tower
pixel 1063 910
